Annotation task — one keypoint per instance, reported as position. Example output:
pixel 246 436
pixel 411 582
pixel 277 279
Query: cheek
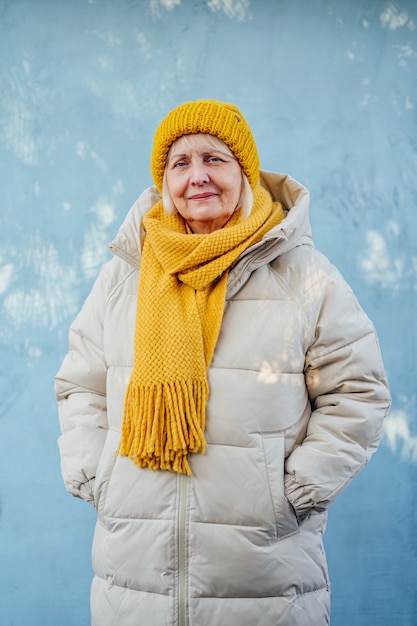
pixel 173 186
pixel 237 187
pixel 234 195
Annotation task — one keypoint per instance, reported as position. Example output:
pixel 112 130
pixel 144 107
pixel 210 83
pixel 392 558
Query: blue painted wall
pixel 329 88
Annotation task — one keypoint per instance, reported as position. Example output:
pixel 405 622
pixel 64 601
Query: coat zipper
pixel 182 560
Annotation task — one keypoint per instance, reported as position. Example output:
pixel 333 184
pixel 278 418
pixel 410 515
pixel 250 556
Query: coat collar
pixel 292 231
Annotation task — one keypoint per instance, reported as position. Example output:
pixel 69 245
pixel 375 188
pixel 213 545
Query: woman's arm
pixel 80 387
pixel 349 395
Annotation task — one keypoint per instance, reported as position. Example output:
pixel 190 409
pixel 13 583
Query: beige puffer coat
pixel 297 399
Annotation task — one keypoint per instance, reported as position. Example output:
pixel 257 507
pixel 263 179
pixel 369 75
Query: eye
pixel 179 164
pixel 213 159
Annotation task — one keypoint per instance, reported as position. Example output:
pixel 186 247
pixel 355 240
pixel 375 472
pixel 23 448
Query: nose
pixel 199 174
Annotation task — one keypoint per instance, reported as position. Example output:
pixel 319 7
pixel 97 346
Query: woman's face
pixel 205 183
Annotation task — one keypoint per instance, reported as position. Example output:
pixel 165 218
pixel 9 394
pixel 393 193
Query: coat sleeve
pixel 349 397
pixel 80 387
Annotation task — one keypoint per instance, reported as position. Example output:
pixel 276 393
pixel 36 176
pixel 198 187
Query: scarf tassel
pixel 163 422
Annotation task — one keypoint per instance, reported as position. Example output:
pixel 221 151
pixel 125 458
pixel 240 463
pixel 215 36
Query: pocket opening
pixel 274 453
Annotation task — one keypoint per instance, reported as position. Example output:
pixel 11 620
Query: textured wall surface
pixel 329 88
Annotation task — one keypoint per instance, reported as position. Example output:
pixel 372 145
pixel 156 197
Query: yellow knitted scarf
pixel 182 288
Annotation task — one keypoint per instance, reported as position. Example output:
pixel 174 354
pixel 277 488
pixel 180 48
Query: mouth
pixel 202 196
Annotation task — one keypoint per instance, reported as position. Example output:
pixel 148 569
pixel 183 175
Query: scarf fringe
pixel 163 422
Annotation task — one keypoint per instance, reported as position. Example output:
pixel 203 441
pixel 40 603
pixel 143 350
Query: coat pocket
pixel 285 518
pixel 104 470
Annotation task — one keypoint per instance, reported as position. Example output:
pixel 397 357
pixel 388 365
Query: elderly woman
pixel 221 389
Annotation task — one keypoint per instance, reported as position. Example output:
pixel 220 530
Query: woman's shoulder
pixel 304 265
pixel 116 273
pixel 129 238
pixel 310 278
pixel 126 245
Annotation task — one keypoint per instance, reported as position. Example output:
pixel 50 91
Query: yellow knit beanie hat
pixel 216 118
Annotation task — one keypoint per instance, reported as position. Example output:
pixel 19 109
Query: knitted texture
pixel 180 304
pixel 214 118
